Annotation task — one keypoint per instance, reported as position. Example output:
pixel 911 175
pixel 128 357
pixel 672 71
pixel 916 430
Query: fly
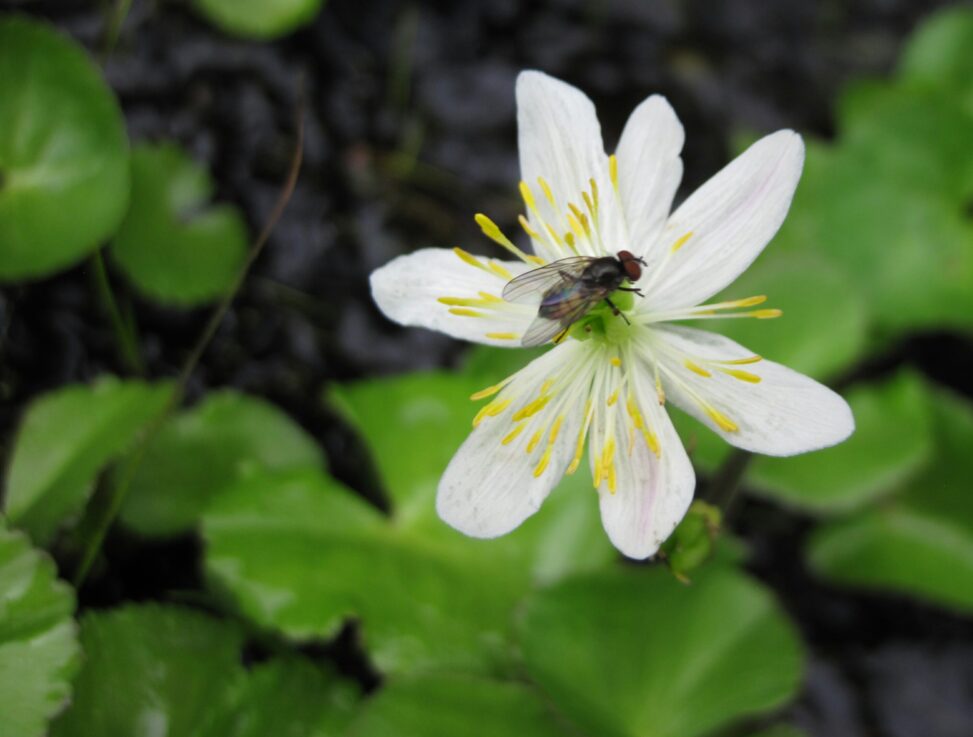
pixel 569 288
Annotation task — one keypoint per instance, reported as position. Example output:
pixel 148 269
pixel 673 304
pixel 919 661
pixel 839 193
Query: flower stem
pixel 120 489
pixel 124 334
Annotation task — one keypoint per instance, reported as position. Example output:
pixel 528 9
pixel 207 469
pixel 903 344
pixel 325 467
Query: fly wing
pixel 560 314
pixel 534 285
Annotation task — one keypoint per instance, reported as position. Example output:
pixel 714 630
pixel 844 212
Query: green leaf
pixel 920 542
pixel 63 152
pixel 434 706
pixel 201 451
pixel 152 670
pixel 910 253
pixel 634 653
pixel 65 439
pixel 258 19
pixel 891 443
pixel 299 553
pixel 917 138
pixel 823 329
pixel 173 245
pixel 940 54
pixel 290 697
pixel 39 651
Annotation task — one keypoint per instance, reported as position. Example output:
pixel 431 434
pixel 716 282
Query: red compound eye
pixel 631 264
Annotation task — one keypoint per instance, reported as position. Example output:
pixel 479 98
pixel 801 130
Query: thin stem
pixel 121 489
pixel 115 18
pixel 124 335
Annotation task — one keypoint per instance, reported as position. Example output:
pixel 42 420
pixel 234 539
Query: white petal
pixel 559 139
pixel 784 414
pixel 649 172
pixel 407 290
pixel 489 488
pixel 652 492
pixel 731 218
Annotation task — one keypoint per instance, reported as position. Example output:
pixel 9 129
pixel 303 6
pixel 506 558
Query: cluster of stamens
pixel 537 418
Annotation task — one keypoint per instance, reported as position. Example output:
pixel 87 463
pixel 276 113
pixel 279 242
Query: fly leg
pixel 617 312
pixel 636 290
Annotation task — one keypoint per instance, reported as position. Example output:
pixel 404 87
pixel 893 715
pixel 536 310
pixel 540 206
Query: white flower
pixel 607 383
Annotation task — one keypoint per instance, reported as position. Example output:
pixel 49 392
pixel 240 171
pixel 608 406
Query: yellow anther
pixel 527 229
pixel 579 447
pixel 528 196
pixel 492 409
pixel 547 191
pixel 612 398
pixel 464 312
pixel 741 361
pixel 633 412
pixel 487 297
pixel 492 231
pixel 488 392
pixel 535 260
pixel 569 239
pixel 757 299
pixel 766 314
pixel 502 336
pixel 660 392
pixel 724 422
pixel 576 211
pixel 611 479
pixel 681 241
pixel 500 270
pixel 616 361
pixel 532 408
pixel 742 375
pixel 546 386
pixel 458 301
pixel 577 230
pixel 652 441
pixel 594 191
pixel 470 258
pixel 555 429
pixel 511 436
pixel 696 369
pixel 534 440
pixel 545 459
pixel 613 170
pixel 589 203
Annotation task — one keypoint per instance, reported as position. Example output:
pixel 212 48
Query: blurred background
pixel 280 518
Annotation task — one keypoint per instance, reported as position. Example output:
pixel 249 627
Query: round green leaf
pixel 909 252
pixel 259 19
pixel 201 451
pixel 173 245
pixel 65 439
pixel 299 553
pixel 940 53
pixel 156 670
pixel 39 651
pixel 891 443
pixel 64 178
pixel 918 138
pixel 634 653
pixel 433 706
pixel 921 542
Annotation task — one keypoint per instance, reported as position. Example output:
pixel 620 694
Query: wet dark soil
pixel 410 130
